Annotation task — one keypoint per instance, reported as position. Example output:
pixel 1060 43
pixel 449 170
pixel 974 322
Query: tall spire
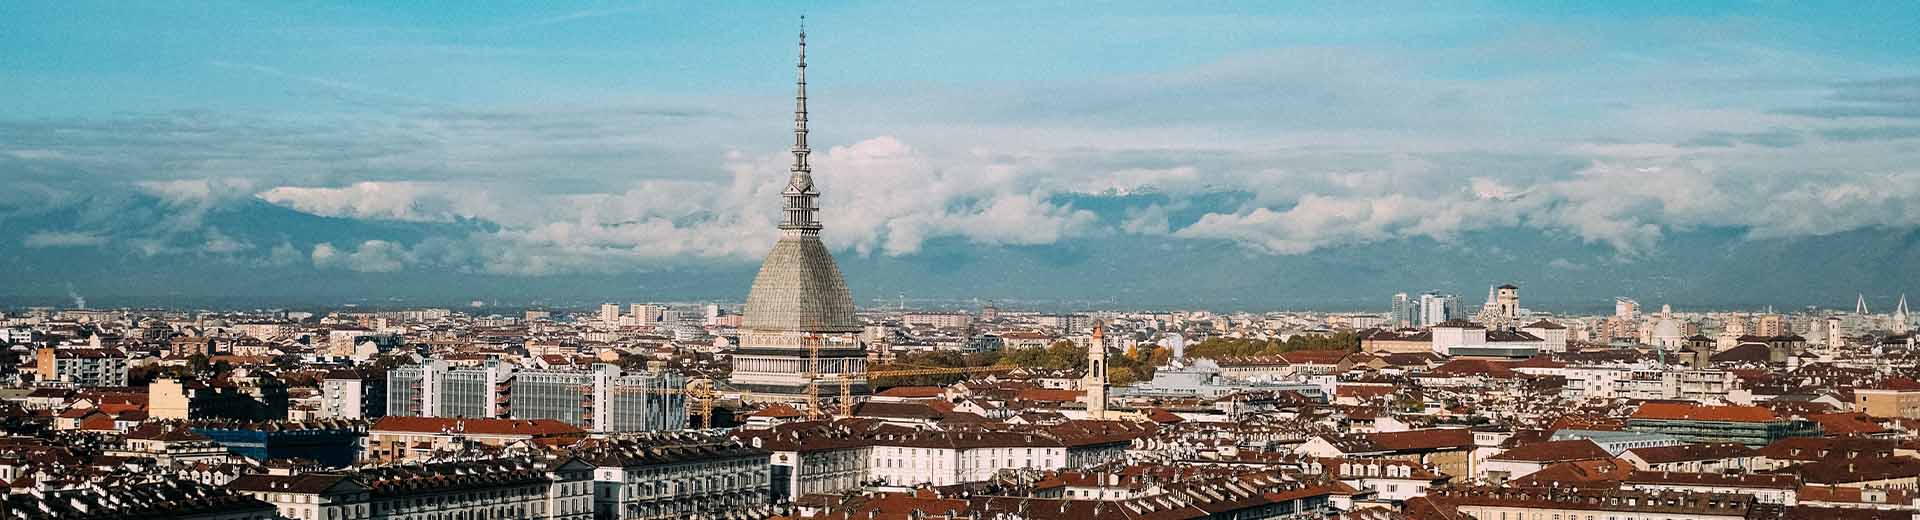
pixel 800 193
pixel 800 150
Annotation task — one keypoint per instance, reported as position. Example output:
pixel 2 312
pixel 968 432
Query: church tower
pixel 1508 299
pixel 1096 380
pixel 798 333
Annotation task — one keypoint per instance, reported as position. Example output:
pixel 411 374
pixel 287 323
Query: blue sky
pixel 613 138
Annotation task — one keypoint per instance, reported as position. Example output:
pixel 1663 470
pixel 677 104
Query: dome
pixel 799 289
pixel 1666 328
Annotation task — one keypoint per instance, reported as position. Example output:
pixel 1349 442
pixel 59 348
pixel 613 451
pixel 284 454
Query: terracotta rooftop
pixel 1694 412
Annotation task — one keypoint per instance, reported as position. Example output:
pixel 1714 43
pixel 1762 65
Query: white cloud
pixel 407 201
pixel 372 256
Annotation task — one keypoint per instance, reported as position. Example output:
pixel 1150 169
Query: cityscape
pixel 794 395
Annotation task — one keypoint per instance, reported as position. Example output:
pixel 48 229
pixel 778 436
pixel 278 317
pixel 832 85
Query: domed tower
pixel 798 328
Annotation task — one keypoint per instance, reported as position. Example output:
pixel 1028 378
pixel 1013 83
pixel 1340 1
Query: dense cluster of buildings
pixel 802 406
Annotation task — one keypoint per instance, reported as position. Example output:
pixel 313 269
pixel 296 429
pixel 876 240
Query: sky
pixel 276 152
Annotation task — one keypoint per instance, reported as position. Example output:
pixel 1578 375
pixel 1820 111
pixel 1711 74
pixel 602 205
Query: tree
pixel 1065 354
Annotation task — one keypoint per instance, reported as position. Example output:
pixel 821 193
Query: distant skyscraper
pixel 1770 325
pixel 1405 311
pixel 645 313
pixel 1436 308
pixel 610 312
pixel 1625 308
pixel 798 328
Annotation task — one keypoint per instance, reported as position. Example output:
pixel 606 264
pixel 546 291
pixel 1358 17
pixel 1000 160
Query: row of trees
pixel 1233 347
pixel 1123 368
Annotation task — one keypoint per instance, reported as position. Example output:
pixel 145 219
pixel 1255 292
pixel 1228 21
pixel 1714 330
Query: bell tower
pixel 1096 381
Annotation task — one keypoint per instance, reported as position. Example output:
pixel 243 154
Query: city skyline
pixel 366 154
pixel 998 262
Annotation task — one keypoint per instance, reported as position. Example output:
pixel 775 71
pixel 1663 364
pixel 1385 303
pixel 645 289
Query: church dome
pixel 799 289
pixel 1666 329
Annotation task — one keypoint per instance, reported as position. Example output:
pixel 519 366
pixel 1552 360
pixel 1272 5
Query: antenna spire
pixel 800 193
pixel 800 149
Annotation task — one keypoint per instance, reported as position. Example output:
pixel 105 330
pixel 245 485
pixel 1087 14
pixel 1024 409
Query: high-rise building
pixel 645 313
pixel 1436 308
pixel 1770 325
pixel 798 329
pixel 1405 313
pixel 1625 308
pixel 610 312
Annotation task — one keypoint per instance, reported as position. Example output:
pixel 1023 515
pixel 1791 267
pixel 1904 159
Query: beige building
pixel 395 438
pixel 1403 341
pixel 1896 398
pixel 167 399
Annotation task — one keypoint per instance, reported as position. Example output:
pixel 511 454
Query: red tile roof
pixel 1846 424
pixel 1430 439
pixel 1693 412
pixel 1555 451
pixel 912 392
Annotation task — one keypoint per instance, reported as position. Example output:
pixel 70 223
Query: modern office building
pixel 333 443
pixel 600 399
pixel 1436 308
pixel 433 389
pixel 1749 425
pixel 1405 312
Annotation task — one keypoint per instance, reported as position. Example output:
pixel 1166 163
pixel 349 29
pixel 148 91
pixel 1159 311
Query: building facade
pixel 659 476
